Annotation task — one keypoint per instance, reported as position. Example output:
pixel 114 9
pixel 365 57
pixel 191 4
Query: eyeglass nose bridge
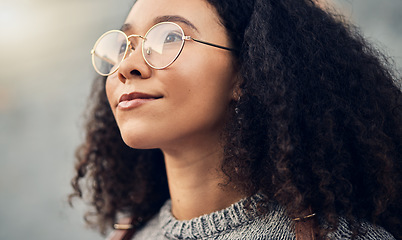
pixel 134 35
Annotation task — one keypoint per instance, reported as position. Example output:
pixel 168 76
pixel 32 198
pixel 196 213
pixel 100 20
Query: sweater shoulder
pixel 367 231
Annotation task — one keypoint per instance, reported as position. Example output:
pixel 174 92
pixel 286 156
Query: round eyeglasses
pixel 161 46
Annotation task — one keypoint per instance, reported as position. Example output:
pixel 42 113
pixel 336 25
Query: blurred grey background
pixel 45 79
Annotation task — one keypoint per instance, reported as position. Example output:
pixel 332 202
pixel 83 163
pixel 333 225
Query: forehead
pixel 199 12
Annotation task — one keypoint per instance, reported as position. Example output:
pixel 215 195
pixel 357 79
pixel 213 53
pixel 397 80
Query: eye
pixel 122 49
pixel 173 37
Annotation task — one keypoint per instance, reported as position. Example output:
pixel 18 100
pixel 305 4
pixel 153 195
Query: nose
pixel 133 66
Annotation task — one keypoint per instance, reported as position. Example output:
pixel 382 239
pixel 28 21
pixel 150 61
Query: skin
pixel 186 122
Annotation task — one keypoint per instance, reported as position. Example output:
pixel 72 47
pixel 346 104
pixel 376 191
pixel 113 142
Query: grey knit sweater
pixel 236 222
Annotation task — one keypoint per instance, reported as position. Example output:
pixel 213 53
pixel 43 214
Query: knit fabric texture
pixel 239 222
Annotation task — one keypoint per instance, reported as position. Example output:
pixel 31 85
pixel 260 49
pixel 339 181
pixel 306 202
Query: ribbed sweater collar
pixel 209 224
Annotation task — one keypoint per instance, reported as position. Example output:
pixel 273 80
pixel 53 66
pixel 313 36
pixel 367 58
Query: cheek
pixel 209 73
pixel 202 85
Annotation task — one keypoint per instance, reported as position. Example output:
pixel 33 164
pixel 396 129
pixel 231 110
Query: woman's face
pixel 185 103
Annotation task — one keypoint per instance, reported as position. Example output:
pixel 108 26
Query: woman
pixel 242 120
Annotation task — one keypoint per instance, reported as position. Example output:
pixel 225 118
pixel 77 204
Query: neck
pixel 196 182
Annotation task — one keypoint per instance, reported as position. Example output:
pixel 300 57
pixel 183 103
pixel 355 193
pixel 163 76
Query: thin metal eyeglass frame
pixel 129 46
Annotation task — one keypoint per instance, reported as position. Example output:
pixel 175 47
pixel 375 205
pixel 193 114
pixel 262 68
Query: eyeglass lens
pixel 109 52
pixel 161 46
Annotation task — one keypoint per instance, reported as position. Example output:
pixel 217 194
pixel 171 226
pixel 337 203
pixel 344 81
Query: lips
pixel 135 99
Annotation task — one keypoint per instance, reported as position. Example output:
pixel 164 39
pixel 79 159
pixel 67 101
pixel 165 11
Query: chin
pixel 138 141
pixel 137 135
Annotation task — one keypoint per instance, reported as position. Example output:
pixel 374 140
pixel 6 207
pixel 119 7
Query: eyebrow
pixel 126 27
pixel 166 18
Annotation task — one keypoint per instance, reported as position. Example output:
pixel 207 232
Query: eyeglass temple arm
pixel 209 44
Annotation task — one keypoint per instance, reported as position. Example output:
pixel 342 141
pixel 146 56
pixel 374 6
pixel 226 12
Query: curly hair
pixel 318 124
